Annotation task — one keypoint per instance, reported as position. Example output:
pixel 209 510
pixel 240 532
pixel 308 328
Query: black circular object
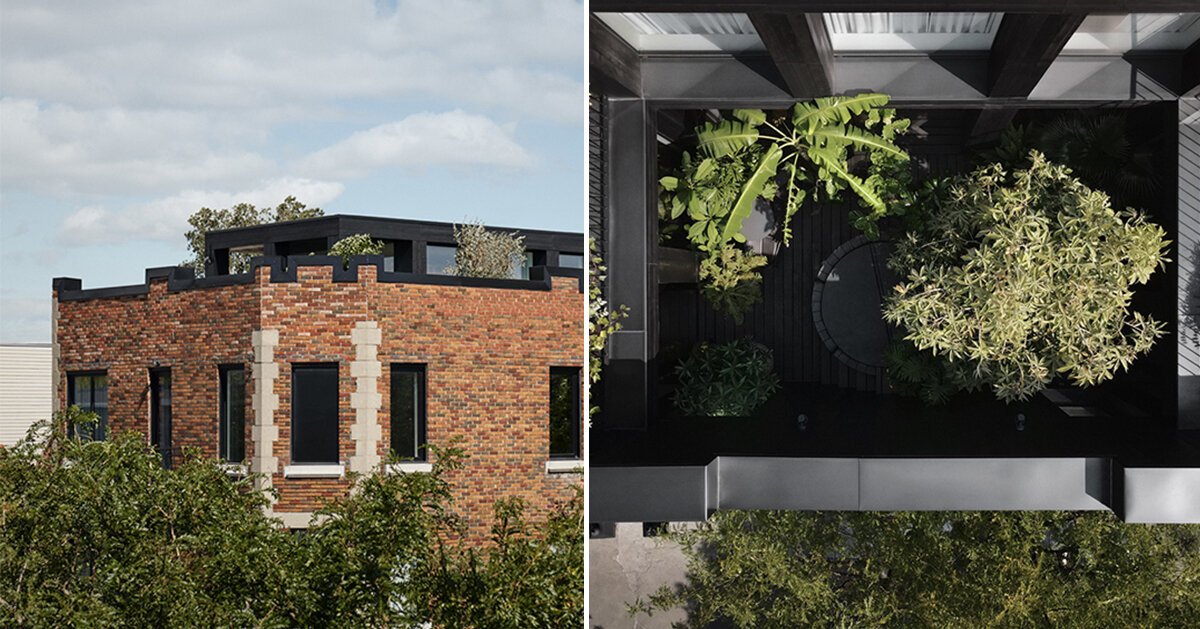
pixel 848 302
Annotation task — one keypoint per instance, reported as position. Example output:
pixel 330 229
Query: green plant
pixel 484 253
pixel 732 282
pixel 728 379
pixel 1020 278
pixel 706 191
pixel 603 322
pixel 241 215
pixel 782 569
pixel 810 150
pixel 914 373
pixel 356 245
pixel 1098 148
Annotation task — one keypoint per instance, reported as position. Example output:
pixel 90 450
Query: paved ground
pixel 625 567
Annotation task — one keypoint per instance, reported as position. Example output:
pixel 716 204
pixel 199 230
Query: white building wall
pixel 26 389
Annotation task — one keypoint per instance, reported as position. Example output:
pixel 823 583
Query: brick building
pixel 304 368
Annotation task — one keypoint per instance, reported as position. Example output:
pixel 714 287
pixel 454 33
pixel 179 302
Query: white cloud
pixel 66 150
pixel 425 139
pixel 185 54
pixel 24 319
pixel 166 219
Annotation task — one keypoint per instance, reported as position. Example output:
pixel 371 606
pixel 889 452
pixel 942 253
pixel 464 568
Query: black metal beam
pixel 1025 46
pixel 799 45
pixel 1191 70
pixel 839 6
pixel 614 64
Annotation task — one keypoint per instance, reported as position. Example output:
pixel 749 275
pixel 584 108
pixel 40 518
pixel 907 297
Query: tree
pixel 1019 278
pixel 356 245
pixel 206 220
pixel 935 569
pixel 98 534
pixel 485 253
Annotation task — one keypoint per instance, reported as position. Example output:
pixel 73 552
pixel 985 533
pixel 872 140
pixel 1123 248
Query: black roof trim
pixel 283 270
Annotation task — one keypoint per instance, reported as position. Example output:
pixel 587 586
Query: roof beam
pixel 616 69
pixel 1025 46
pixel 799 46
pixel 825 6
pixel 1191 70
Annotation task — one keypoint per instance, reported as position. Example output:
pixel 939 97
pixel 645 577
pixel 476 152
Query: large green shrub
pixel 729 379
pixel 1022 277
pixel 731 281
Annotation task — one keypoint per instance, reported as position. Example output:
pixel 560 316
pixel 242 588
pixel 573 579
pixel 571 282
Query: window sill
pixel 564 466
pixel 306 470
pixel 410 467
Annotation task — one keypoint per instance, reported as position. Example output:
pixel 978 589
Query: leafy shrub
pixel 732 283
pixel 914 373
pixel 484 253
pixel 746 157
pixel 1023 277
pixel 729 379
pixel 356 245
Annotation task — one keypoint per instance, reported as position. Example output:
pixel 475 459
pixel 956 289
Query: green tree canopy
pixel 206 220
pixel 98 534
pixel 767 569
pixel 1018 278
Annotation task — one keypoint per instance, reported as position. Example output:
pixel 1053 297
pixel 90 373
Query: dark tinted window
pixel 564 412
pixel 408 411
pixel 89 391
pixel 315 413
pixel 233 413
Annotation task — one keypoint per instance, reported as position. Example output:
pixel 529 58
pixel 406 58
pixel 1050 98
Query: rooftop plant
pixel 725 379
pixel 485 253
pixel 206 220
pixel 356 245
pixel 1021 277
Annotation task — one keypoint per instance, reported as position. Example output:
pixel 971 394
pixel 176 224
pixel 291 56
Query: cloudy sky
pixel 120 118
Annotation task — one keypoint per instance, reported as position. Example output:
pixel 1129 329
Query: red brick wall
pixel 488 354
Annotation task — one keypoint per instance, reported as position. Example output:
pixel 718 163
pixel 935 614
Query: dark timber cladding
pixel 614 64
pixel 894 6
pixel 1025 46
pixel 1191 70
pixel 799 45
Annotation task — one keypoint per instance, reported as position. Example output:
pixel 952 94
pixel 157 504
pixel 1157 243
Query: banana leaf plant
pixel 804 155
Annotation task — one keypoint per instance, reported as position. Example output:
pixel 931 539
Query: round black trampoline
pixel 847 302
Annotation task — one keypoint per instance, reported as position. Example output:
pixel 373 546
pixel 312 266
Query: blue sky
pixel 118 119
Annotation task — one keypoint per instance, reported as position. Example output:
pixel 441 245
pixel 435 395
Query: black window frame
pixel 337 448
pixel 100 431
pixel 575 375
pixel 223 419
pixel 422 399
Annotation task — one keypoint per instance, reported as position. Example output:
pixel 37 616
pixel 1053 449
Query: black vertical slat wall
pixel 783 320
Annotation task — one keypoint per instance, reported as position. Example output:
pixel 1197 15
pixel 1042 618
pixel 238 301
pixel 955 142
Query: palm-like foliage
pixel 813 151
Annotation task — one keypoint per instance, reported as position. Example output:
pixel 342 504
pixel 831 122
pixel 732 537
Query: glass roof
pixel 1115 34
pixel 917 32
pixel 685 32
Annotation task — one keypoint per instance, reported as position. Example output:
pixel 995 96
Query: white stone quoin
pixel 264 432
pixel 366 400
